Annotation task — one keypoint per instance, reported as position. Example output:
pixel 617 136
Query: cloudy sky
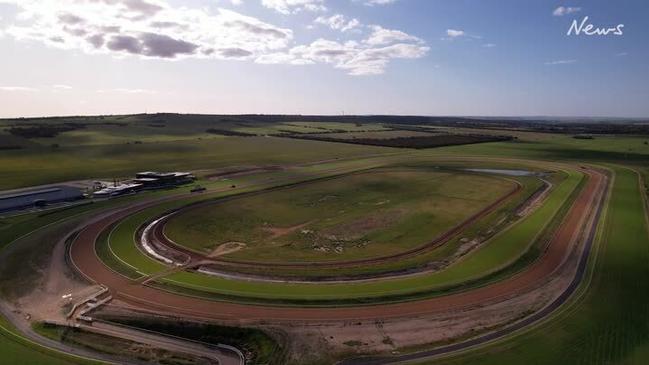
pixel 433 57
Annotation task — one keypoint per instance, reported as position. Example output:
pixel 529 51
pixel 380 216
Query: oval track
pixel 83 257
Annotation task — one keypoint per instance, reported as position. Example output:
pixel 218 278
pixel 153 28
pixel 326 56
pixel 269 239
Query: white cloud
pixel 454 33
pixel 17 89
pixel 377 2
pixel 489 45
pixel 369 57
pixel 150 29
pixel 283 59
pixel 381 36
pixel 294 6
pixel 61 87
pixel 563 10
pixel 338 22
pixel 560 62
pixel 236 2
pixel 126 91
pixel 154 29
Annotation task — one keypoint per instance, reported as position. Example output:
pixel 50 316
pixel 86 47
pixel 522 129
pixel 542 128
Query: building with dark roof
pixel 153 179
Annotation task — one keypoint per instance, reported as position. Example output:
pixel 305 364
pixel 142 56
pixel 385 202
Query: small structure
pixel 117 190
pixel 197 189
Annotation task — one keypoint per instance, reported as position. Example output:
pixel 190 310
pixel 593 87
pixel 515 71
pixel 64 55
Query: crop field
pixel 356 216
pixel 305 128
pixel 621 149
pixel 376 134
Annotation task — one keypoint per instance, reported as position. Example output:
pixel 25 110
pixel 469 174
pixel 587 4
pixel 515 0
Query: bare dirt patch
pixel 37 280
pixel 227 248
pixel 283 231
pixel 536 199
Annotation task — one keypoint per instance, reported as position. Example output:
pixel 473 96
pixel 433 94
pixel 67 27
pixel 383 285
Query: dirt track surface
pixel 83 257
pixel 157 234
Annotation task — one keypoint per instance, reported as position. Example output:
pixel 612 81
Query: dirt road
pixel 220 354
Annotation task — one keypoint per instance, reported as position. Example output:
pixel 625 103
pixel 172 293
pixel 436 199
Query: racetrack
pixel 569 233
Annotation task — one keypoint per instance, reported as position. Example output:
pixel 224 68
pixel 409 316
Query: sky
pixel 407 57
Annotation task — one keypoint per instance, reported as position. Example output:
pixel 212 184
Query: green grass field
pixel 553 147
pixel 609 324
pixel 356 216
pixel 42 164
pixel 483 229
pixel 504 249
